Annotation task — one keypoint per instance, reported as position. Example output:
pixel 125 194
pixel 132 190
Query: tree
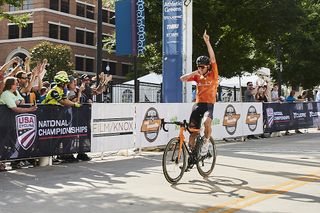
pixel 18 19
pixel 58 56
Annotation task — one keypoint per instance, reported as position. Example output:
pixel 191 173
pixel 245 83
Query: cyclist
pixel 57 95
pixel 206 78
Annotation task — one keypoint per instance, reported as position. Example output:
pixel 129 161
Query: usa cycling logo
pixel 270 117
pixel 26 128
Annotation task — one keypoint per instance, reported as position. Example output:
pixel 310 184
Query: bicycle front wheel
pixel 206 163
pixel 173 167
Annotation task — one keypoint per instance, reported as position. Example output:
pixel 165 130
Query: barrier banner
pixel 289 116
pixel 51 130
pixel 148 122
pixel 112 127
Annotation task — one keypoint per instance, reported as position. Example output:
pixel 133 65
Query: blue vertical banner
pixel 130 27
pixel 172 50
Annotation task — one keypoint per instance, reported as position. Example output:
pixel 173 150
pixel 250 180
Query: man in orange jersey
pixel 206 77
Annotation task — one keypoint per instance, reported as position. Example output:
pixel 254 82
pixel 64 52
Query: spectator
pixel 291 98
pixel 249 93
pixel 261 94
pixel 12 98
pixel 318 95
pixel 87 93
pixel 275 94
pixel 303 96
pixel 74 94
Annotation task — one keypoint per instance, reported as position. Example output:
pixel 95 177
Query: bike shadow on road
pixel 217 186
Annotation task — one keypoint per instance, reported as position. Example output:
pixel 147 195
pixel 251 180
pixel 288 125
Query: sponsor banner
pixel 172 27
pixel 112 127
pixel 51 130
pixel 172 50
pixel 227 120
pixel 130 27
pixel 148 120
pixel 253 119
pixel 289 116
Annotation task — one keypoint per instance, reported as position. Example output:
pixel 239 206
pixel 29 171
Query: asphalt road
pixel 267 175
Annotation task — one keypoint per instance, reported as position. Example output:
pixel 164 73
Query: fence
pixel 55 130
pixel 124 93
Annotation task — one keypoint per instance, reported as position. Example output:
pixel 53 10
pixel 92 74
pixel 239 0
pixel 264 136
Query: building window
pixel 13 31
pixel 26 32
pixel 27 5
pixel 54 4
pixel 112 18
pixel 108 17
pixel 53 31
pixel 89 38
pixel 85 37
pixel 64 33
pixel 84 64
pixel 59 32
pixel 80 36
pixel 89 65
pixel 125 69
pixel 16 32
pixel 127 96
pixel 79 63
pixel 65 6
pixel 85 10
pixel 60 5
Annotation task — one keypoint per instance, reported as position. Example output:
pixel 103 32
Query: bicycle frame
pixel 183 127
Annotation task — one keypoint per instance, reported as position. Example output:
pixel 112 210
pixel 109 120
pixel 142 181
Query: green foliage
pixel 58 56
pixel 18 19
pixel 245 35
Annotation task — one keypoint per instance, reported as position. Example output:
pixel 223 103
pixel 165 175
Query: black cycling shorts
pixel 198 111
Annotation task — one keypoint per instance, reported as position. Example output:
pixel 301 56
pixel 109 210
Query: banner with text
pixel 112 127
pixel 51 130
pixel 172 50
pixel 289 116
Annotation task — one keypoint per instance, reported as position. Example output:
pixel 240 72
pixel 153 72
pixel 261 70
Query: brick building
pixel 70 22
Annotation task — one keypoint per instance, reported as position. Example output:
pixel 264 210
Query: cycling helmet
pixel 61 78
pixel 203 60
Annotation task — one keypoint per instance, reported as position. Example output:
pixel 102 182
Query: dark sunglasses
pixel 250 85
pixel 202 66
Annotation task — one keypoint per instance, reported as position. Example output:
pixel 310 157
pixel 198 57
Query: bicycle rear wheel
pixel 173 168
pixel 206 163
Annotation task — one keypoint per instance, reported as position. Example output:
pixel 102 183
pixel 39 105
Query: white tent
pixel 245 77
pixel 150 78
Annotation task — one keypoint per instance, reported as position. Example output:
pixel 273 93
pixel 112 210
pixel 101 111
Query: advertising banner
pixel 227 120
pixel 51 130
pixel 149 119
pixel 172 50
pixel 130 27
pixel 112 127
pixel 253 119
pixel 289 116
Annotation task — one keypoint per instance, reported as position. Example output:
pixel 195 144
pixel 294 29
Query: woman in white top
pixel 12 98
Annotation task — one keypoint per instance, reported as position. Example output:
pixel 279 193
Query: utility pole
pixel 99 47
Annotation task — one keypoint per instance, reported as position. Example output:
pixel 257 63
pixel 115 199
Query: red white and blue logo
pixel 26 130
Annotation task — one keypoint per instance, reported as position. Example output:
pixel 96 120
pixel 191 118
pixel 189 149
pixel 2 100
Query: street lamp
pixel 108 69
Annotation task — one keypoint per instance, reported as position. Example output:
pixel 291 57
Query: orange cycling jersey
pixel 207 85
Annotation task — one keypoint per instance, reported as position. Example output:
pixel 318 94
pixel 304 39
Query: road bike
pixel 175 160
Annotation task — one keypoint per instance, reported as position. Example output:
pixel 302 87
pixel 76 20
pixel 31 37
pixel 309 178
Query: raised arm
pixel 206 39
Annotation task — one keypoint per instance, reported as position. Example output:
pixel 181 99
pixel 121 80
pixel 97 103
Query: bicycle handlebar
pixel 183 124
